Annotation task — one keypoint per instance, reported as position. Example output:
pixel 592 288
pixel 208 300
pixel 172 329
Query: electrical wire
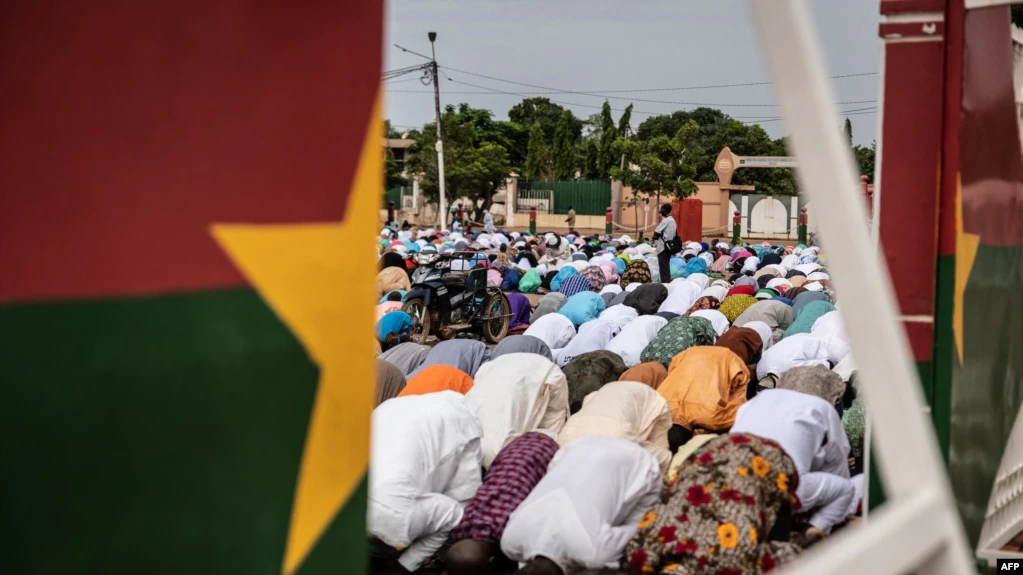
pixel 645 100
pixel 603 93
pixel 752 119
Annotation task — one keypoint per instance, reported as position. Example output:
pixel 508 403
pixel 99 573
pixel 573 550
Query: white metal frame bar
pixel 918 529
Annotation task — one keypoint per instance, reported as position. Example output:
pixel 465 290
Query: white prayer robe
pixel 626 410
pixel 811 433
pixel 621 314
pixel 629 344
pixel 554 329
pixel 801 349
pixel 717 319
pixel 424 468
pixel 593 336
pixel 587 507
pixel 764 331
pixel 515 394
pixel 717 292
pixel 830 327
pixel 681 296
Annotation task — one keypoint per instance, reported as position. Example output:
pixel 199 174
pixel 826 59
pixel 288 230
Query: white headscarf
pixel 751 264
pixel 629 344
pixel 764 331
pixel 801 349
pixel 681 296
pixel 593 336
pixel 514 394
pixel 611 289
pixel 627 410
pixel 699 279
pixel 716 319
pixel 621 314
pixel 554 329
pixel 715 291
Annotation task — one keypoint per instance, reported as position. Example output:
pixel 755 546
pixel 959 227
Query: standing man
pixel 571 220
pixel 665 236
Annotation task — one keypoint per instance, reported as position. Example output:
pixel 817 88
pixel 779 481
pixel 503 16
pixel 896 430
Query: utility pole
pixel 440 143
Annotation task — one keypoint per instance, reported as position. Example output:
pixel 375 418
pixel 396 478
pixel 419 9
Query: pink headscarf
pixel 610 272
pixel 720 265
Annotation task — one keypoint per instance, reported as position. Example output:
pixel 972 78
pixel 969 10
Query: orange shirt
pixel 438 378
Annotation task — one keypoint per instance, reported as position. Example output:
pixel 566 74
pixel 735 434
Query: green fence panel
pixel 393 195
pixel 588 197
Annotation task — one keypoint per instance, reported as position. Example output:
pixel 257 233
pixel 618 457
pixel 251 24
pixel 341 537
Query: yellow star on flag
pixel 301 272
pixel 966 253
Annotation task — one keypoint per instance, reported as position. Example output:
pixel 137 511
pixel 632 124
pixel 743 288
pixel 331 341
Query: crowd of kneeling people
pixel 703 424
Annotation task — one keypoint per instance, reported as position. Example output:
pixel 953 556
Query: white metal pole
pixel 910 462
pixel 440 141
pixel 440 182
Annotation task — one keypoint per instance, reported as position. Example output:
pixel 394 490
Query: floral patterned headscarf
pixel 717 516
pixel 734 305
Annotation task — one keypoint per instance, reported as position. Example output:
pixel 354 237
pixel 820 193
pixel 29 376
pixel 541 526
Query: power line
pixel 645 100
pixel 602 93
pixel 755 119
pixel 391 74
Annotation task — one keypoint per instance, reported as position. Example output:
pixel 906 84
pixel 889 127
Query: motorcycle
pixel 447 297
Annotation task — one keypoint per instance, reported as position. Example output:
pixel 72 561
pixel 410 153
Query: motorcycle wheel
pixel 496 304
pixel 420 314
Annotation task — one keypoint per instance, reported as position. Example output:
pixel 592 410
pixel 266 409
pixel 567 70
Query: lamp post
pixel 440 143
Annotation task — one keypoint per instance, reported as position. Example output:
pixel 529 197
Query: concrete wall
pixel 716 218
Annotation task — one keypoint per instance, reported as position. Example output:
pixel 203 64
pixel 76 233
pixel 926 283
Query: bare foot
pixel 811 537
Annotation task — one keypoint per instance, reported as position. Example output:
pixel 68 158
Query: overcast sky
pixel 603 45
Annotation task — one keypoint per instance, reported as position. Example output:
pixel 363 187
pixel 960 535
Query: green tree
pixel 1017 15
pixel 660 165
pixel 548 114
pixel 563 161
pixel 591 168
pixel 623 122
pixel 392 172
pixel 536 156
pixel 709 119
pixel 847 130
pixel 389 131
pixel 608 134
pixel 474 165
pixel 865 160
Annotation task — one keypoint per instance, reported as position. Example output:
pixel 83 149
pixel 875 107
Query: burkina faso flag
pixel 188 192
pixel 986 299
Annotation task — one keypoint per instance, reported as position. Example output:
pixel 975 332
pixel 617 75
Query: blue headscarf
pixel 695 266
pixel 401 291
pixel 677 267
pixel 565 273
pixel 396 322
pixel 583 307
pixel 511 280
pixel 620 264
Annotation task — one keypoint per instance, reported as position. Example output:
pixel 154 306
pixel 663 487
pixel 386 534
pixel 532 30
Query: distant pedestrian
pixel 571 220
pixel 665 237
pixel 488 222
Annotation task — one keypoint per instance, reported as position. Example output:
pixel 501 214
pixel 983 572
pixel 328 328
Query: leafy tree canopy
pixel 475 163
pixel 542 110
pixel 659 165
pixel 536 155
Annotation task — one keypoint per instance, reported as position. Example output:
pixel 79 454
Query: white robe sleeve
pixel 433 516
pixel 828 495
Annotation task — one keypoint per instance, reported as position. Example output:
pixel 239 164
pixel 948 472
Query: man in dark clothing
pixel 665 232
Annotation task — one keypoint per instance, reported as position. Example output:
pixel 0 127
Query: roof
pixel 398 143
